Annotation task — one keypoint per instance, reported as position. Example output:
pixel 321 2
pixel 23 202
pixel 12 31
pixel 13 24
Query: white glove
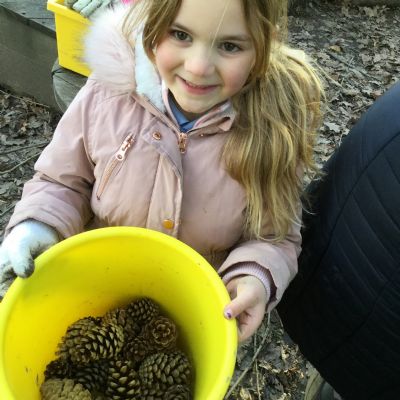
pixel 89 8
pixel 25 241
pixel 69 3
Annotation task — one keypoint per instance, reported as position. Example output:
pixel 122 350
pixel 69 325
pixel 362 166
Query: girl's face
pixel 207 54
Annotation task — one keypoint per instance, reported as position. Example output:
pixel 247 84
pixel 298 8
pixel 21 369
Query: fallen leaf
pixel 333 126
pixel 335 48
pixel 245 394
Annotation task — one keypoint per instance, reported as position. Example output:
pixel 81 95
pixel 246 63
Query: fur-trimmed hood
pixel 114 61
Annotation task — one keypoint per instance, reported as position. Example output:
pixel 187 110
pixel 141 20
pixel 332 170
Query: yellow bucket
pixel 92 272
pixel 70 30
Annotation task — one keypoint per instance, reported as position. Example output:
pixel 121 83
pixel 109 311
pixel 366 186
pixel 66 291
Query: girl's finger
pixel 239 304
pixel 249 323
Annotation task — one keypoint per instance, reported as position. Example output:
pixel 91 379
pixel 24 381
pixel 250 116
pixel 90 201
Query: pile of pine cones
pixel 129 353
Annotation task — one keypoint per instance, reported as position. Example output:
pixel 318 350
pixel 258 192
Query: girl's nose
pixel 200 64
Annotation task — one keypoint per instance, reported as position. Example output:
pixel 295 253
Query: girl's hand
pixel 249 299
pixel 26 240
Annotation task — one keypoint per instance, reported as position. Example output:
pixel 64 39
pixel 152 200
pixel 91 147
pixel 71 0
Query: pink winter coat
pixel 115 160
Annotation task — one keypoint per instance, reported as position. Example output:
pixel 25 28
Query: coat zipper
pixel 182 137
pixel 182 140
pixel 118 157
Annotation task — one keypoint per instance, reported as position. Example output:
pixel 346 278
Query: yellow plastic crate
pixel 70 30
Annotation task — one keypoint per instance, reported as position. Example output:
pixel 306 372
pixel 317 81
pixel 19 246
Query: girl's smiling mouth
pixel 194 88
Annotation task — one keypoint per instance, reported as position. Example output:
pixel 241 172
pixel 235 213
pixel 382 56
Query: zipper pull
pixel 124 147
pixel 182 142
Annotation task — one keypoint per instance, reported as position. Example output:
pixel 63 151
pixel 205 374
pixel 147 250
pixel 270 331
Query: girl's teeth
pixel 195 86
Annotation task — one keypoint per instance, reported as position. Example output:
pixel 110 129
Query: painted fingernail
pixel 228 314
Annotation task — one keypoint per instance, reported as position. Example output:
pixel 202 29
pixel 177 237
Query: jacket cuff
pixel 254 269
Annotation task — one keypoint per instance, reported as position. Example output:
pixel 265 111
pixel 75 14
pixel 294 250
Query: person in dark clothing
pixel 343 307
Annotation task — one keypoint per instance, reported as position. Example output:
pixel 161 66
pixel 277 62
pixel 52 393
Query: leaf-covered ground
pixel 358 51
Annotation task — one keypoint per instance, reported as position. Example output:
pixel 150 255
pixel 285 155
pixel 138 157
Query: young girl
pixel 197 122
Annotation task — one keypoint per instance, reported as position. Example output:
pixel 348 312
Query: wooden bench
pixel 27 48
pixel 66 85
pixel 28 53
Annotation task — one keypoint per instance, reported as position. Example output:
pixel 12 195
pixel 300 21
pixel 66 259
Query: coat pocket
pixel 114 164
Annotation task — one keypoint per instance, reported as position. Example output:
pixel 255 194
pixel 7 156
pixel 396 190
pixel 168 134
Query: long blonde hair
pixel 278 111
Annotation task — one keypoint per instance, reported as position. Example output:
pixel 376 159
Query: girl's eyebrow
pixel 234 38
pixel 180 27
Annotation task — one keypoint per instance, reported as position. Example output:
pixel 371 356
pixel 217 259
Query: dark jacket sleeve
pixel 343 307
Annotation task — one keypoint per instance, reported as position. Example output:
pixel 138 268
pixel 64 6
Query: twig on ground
pixel 21 163
pixel 340 59
pixel 24 99
pixel 41 144
pixel 257 376
pixel 9 208
pixel 326 75
pixel 233 387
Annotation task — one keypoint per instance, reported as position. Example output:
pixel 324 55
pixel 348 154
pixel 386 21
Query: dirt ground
pixel 358 52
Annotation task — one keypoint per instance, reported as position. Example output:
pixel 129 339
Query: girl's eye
pixel 230 47
pixel 180 35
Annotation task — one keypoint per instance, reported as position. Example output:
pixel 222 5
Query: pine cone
pixel 58 368
pixel 95 343
pixel 155 392
pixel 99 396
pixel 165 368
pixel 92 376
pixel 101 342
pixel 143 310
pixel 120 316
pixel 161 333
pixel 75 331
pixel 63 389
pixel 123 381
pixel 160 392
pixel 178 392
pixel 137 349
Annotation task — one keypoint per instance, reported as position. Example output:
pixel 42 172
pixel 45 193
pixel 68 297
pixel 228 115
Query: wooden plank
pixel 66 85
pixel 27 53
pixel 31 12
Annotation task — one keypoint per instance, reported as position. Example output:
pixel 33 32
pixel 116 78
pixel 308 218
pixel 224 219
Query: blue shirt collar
pixel 184 124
